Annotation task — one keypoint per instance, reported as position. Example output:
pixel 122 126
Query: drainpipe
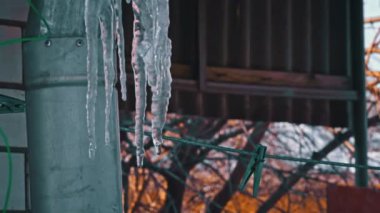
pixel 360 105
pixel 62 176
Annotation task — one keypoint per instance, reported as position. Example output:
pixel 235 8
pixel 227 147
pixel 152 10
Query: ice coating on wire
pixel 102 19
pixel 151 53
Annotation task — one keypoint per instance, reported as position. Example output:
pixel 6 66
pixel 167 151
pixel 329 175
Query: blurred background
pixel 281 73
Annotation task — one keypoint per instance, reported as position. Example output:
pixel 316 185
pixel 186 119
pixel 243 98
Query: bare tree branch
pixel 302 170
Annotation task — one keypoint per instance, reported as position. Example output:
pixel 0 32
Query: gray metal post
pixel 360 111
pixel 63 178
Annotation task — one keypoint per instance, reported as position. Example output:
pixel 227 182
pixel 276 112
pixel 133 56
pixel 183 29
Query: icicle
pixel 120 48
pixel 92 74
pixel 138 66
pixel 151 54
pixel 162 87
pixel 106 29
pixel 150 61
pixel 100 14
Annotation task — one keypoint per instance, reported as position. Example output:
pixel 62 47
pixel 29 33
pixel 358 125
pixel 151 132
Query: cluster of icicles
pixel 151 53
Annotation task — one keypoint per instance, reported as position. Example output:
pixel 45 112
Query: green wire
pixel 10 170
pixel 20 40
pixel 330 163
pixel 252 154
pixel 35 10
pixel 27 39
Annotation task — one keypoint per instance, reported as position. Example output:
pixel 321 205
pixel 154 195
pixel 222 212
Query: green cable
pixel 330 163
pixel 242 152
pixel 27 39
pixel 194 143
pixel 20 40
pixel 35 10
pixel 10 170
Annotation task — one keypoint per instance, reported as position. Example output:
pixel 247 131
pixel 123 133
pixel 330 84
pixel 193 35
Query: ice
pixel 106 16
pixel 120 48
pixel 151 52
pixel 106 29
pixel 161 80
pixel 92 74
pixel 150 62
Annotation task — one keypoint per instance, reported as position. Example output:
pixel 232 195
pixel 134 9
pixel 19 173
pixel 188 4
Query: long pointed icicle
pixel 120 48
pixel 92 74
pixel 106 29
pixel 140 48
pixel 162 87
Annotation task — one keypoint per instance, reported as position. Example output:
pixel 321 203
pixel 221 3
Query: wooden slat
pixel 281 91
pixel 245 43
pixel 181 71
pixel 277 78
pixel 202 43
pixel 265 77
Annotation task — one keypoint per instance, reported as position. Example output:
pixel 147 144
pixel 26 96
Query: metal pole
pixel 62 177
pixel 360 112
